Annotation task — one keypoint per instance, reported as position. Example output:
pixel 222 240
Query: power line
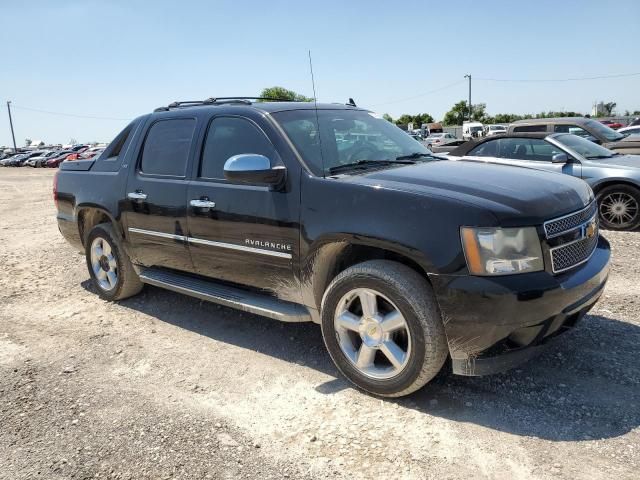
pixel 575 79
pixel 95 117
pixel 420 94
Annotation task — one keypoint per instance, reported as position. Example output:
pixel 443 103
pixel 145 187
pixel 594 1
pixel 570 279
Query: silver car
pixel 614 177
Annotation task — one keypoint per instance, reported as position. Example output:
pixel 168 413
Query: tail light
pixel 55 188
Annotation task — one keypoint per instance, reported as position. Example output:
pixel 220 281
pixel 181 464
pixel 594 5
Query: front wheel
pixel 382 328
pixel 619 207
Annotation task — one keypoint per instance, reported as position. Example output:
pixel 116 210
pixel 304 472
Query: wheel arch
pixel 332 255
pixel 90 215
pixel 610 182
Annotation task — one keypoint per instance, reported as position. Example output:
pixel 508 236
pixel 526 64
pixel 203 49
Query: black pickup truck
pixel 331 214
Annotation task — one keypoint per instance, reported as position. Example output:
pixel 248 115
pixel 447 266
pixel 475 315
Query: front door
pixel 155 214
pixel 246 234
pixel 525 152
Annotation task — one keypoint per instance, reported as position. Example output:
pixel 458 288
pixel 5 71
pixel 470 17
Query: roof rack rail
pixel 219 101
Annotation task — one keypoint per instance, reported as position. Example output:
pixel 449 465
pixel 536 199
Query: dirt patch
pixel 166 386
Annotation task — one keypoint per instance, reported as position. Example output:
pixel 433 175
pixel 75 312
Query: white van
pixel 472 130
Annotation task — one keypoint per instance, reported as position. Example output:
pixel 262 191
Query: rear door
pixel 246 234
pixel 154 211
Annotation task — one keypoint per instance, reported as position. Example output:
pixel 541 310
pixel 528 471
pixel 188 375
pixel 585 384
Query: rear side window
pixel 116 146
pixel 487 149
pixel 530 128
pixel 166 148
pixel 573 129
pixel 229 136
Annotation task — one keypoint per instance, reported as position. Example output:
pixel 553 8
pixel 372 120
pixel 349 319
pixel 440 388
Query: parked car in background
pixel 634 130
pixel 612 124
pixel 447 147
pixel 38 160
pixel 583 127
pixel 91 152
pixel 634 123
pixel 472 130
pixel 437 139
pixel 495 130
pixel 614 177
pixel 19 160
pixel 429 128
pixel 56 160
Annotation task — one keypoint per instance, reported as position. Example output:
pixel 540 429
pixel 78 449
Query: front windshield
pixel 346 137
pixel 475 129
pixel 604 131
pixel 584 147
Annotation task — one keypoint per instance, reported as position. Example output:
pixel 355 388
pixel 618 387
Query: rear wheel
pixel 382 328
pixel 109 266
pixel 619 207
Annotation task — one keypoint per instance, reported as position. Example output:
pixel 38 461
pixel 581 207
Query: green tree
pixel 387 117
pixel 281 93
pixel 456 115
pixel 609 107
pixel 404 120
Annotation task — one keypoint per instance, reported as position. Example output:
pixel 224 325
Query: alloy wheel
pixel 372 333
pixel 104 264
pixel 619 209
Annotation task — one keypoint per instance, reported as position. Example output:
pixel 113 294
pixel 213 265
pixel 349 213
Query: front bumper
pixel 495 323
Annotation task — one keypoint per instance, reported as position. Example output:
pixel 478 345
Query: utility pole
pixel 15 150
pixel 470 107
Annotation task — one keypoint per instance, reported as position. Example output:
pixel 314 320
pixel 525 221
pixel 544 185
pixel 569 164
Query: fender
pixel 332 253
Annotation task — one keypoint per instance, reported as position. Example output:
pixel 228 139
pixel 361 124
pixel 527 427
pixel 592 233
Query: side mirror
pixel 253 169
pixel 560 158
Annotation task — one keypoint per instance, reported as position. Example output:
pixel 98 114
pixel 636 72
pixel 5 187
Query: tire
pixel 350 332
pixel 112 272
pixel 619 207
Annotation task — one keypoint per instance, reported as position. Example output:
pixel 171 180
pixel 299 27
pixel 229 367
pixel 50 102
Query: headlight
pixel 502 251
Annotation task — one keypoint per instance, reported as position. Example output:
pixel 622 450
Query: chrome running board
pixel 226 295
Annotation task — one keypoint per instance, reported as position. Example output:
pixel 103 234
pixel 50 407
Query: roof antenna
pixel 351 103
pixel 315 104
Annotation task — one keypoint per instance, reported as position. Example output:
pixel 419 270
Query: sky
pixel 115 60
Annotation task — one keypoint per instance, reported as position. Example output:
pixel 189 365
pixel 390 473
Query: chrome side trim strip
pixel 158 234
pixel 210 243
pixel 242 248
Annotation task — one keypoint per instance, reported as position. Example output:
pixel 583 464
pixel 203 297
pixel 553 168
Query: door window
pixel 166 148
pixel 487 149
pixel 530 128
pixel 574 129
pixel 229 136
pixel 531 149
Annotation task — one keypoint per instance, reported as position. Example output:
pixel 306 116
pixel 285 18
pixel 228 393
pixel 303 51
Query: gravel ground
pixel 166 386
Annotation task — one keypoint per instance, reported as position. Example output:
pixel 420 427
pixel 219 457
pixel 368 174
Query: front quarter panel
pixel 339 213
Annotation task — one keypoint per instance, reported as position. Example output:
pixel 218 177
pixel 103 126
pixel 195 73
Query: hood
pixel 517 196
pixel 622 161
pixel 629 140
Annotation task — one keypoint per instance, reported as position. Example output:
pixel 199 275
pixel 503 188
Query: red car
pixel 58 159
pixel 612 124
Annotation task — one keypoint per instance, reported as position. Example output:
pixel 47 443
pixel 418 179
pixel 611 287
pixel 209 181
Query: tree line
pixel 458 113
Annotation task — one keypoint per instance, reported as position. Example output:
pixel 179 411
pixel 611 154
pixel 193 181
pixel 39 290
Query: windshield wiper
pixel 413 156
pixel 599 157
pixel 362 164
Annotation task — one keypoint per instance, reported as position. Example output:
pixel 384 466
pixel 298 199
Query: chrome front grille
pixel 559 226
pixel 582 229
pixel 572 254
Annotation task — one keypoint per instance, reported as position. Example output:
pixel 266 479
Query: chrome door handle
pixel 201 203
pixel 136 196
